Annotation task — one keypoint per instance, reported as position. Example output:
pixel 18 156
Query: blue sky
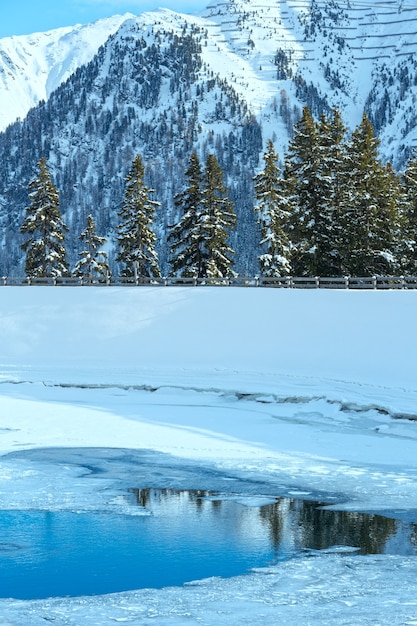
pixel 22 17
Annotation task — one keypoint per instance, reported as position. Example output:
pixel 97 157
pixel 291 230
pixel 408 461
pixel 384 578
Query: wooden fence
pixel 282 282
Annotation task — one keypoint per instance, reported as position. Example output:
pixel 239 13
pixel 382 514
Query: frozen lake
pixel 264 397
pixel 170 536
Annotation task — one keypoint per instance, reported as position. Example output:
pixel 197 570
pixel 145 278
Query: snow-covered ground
pixel 315 390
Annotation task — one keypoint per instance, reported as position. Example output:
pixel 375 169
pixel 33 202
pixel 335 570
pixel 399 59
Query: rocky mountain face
pixel 164 84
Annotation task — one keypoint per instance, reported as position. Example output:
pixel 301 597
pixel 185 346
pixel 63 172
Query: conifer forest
pixel 328 207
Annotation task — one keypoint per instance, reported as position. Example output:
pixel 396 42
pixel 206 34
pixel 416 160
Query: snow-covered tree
pixel 370 220
pixel 333 166
pixel 309 173
pixel 273 217
pixel 185 237
pixel 218 219
pixel 136 239
pixel 93 262
pixel 45 228
pixel 408 213
pixel 199 241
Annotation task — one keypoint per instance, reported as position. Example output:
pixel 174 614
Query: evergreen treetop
pixel 370 216
pixel 273 217
pixel 93 261
pixel 218 220
pixel 136 239
pixel 45 228
pixel 185 237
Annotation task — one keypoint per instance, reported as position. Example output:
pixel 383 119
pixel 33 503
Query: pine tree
pixel 185 237
pixel 93 263
pixel 370 220
pixel 390 223
pixel 218 219
pixel 136 239
pixel 309 172
pixel 333 165
pixel 408 252
pixel 44 246
pixel 273 217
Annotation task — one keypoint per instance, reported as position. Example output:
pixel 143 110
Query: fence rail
pixel 283 282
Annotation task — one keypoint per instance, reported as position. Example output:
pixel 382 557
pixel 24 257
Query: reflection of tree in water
pixel 316 528
pixel 276 517
pixel 413 537
pixel 145 497
pixel 290 523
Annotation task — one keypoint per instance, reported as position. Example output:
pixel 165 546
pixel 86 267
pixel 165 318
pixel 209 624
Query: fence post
pixel 135 271
pixel 346 282
pixel 5 280
pixel 374 282
pixel 317 282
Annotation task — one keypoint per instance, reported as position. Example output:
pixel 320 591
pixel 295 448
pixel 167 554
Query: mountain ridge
pixel 33 66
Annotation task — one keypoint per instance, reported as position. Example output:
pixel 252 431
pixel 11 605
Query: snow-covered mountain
pixel 346 54
pixel 351 55
pixel 33 66
pixel 222 81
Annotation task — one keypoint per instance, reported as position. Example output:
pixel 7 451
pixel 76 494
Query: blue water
pixel 46 554
pixel 183 536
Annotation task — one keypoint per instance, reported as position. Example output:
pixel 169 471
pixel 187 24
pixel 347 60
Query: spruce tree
pixel 408 206
pixel 370 220
pixel 45 228
pixel 273 217
pixel 218 220
pixel 308 174
pixel 136 239
pixel 93 262
pixel 333 165
pixel 302 183
pixel 186 237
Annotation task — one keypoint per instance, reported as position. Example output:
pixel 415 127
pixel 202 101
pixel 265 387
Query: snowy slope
pixel 32 66
pixel 335 52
